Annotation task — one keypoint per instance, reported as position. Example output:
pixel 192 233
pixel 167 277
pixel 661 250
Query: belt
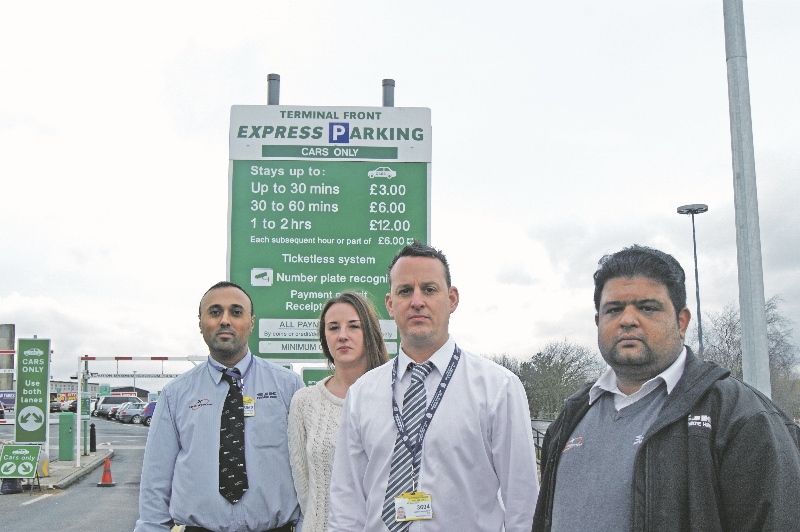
pixel 284 528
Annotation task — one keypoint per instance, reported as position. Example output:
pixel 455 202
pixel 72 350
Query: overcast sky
pixel 561 131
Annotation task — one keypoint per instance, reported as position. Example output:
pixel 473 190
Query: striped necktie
pixel 232 467
pixel 400 480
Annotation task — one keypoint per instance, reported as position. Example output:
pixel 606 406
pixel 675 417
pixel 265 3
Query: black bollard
pixel 92 439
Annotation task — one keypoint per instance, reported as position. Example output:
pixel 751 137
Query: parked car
pixel 2 411
pixel 147 413
pixel 55 406
pixel 71 406
pixel 115 411
pixel 130 412
pixel 112 412
pixel 105 403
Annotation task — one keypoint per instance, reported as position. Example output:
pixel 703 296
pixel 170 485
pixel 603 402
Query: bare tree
pixel 723 339
pixel 553 374
pixel 510 363
pixel 722 344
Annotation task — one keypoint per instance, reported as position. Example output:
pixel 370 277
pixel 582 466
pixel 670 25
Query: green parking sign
pixel 33 383
pixel 19 461
pixel 86 400
pixel 321 199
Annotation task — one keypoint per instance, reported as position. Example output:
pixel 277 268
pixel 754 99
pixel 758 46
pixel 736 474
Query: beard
pixel 642 357
pixel 641 364
pixel 226 350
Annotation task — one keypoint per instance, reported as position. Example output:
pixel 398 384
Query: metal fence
pixel 539 427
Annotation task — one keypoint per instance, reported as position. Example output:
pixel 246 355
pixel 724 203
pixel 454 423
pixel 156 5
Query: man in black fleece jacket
pixel 664 441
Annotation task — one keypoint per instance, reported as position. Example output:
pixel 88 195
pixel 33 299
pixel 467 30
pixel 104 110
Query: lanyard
pixel 239 379
pixel 415 447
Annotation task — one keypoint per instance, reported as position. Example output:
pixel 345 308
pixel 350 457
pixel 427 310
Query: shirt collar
pixel 440 358
pixel 217 368
pixel 670 376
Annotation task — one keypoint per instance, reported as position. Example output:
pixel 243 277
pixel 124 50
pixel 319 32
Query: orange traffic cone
pixel 106 481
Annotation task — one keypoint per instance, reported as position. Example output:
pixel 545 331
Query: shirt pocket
pixel 269 427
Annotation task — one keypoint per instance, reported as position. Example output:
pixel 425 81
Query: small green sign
pixel 86 400
pixel 19 461
pixel 311 376
pixel 33 383
pixel 312 152
pixel 103 390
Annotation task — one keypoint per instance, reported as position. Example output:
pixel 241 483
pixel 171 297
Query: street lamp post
pixel 696 208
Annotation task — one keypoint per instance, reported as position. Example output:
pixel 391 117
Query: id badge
pixel 249 406
pixel 413 506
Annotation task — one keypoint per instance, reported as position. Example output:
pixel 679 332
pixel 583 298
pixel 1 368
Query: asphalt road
pixel 84 507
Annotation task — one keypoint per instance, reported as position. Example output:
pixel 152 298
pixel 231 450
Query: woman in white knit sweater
pixel 352 342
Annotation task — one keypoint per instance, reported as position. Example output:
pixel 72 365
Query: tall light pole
pixel 696 208
pixel 755 348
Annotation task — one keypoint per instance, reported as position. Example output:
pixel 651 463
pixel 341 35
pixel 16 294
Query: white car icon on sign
pixel 382 171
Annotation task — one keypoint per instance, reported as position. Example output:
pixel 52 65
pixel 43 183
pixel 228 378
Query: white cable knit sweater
pixel 314 418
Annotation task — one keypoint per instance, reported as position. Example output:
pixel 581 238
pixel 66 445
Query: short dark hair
pixel 418 249
pixel 224 284
pixel 642 261
pixel 370 326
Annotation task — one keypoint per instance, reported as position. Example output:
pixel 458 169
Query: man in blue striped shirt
pixel 181 462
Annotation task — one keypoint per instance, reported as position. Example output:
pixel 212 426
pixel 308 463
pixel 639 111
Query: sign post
pixel 320 201
pixel 33 396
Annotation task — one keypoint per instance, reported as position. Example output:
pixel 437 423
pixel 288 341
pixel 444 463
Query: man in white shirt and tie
pixel 438 439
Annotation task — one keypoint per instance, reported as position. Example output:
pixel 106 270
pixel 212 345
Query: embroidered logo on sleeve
pixel 700 421
pixel 638 440
pixel 574 442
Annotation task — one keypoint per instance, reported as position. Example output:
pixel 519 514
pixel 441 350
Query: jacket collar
pixel 693 384
pixel 697 377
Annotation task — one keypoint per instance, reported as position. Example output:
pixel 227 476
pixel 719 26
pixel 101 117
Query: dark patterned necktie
pixel 400 481
pixel 232 468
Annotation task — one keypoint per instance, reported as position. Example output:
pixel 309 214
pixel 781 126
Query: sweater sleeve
pixel 297 449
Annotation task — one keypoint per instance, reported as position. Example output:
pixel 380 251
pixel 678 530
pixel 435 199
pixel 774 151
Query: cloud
pixel 515 276
pixel 25 124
